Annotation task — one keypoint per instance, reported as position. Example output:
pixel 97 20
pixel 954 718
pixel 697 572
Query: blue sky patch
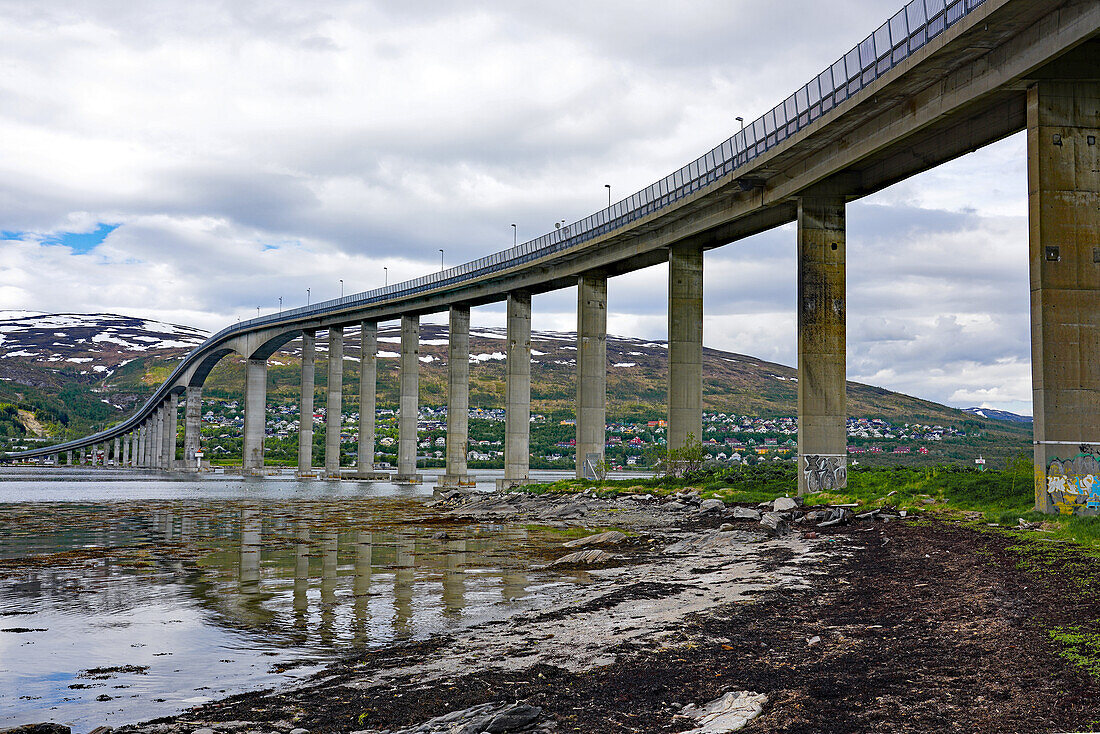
pixel 81 242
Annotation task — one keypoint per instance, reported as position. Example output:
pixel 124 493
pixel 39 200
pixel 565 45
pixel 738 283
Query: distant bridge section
pixel 939 79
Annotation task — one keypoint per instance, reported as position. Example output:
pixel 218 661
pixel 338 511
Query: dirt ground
pixel 923 627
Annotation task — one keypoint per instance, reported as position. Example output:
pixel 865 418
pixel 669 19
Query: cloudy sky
pixel 190 161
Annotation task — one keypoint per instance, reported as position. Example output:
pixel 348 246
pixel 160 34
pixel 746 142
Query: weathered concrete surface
pixel 591 372
pixel 1064 213
pixel 822 402
pixel 410 400
pixel 192 427
pixel 458 398
pixel 171 423
pixel 139 451
pixel 368 394
pixel 305 413
pixel 126 440
pixel 685 344
pixel 255 415
pixel 334 407
pixel 517 391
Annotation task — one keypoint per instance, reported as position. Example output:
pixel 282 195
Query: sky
pixel 192 161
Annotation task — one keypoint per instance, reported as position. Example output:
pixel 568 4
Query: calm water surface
pixel 126 596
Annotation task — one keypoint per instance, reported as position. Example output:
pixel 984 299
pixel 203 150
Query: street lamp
pixel 341 287
pixel 280 304
pixel 742 121
pixel 515 236
pixel 386 272
pixel 440 260
pixel 307 296
pixel 608 187
pixel 257 312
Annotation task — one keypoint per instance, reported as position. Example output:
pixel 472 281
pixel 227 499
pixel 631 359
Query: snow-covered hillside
pixel 87 343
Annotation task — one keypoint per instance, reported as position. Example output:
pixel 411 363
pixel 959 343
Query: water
pixel 126 596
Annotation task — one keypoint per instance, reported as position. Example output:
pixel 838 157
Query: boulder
pixel 45 727
pixel 584 558
pixel 712 505
pixel 745 513
pixel 784 504
pixel 729 713
pixel 674 506
pixel 773 523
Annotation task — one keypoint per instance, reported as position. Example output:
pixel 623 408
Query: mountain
pixel 76 372
pixel 999 415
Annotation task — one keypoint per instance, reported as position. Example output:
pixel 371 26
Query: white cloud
pixel 252 150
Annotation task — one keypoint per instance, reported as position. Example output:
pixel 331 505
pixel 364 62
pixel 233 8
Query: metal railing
pixel 907 31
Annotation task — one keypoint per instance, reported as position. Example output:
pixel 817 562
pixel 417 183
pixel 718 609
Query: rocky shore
pixel 701 617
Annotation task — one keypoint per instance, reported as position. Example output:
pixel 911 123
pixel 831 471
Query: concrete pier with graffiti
pixel 1073 485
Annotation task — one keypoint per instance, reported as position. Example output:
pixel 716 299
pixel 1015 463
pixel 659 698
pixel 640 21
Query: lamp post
pixel 742 121
pixel 257 312
pixel 280 304
pixel 307 296
pixel 608 187
pixel 441 260
pixel 341 287
pixel 386 272
pixel 515 236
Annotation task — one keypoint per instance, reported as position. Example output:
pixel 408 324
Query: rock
pixel 490 718
pixel 867 515
pixel 773 523
pixel 725 527
pixel 612 537
pixel 101 730
pixel 440 536
pixel 784 504
pixel 712 505
pixel 744 513
pixel 810 642
pixel 204 730
pixel 299 731
pixel 674 506
pixel 584 558
pixel 815 516
pixel 729 713
pixel 46 727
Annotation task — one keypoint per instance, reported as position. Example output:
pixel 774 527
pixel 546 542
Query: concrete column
pixel 517 391
pixel 156 441
pixel 126 450
pixel 822 401
pixel 255 415
pixel 192 427
pixel 591 372
pixel 139 452
pixel 171 423
pixel 685 344
pixel 368 395
pixel 305 413
pixel 95 453
pixel 117 452
pixel 83 456
pixel 410 400
pixel 69 458
pixel 1063 157
pixel 335 404
pixel 458 398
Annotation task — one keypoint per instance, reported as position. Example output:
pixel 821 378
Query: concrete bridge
pixel 939 79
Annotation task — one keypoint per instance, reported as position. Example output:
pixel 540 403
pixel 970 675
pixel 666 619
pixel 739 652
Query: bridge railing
pixel 907 31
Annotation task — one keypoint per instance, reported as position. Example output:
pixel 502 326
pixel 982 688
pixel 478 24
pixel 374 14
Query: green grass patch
pixel 1080 647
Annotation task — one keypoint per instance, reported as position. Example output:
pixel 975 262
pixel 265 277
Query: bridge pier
pixel 117 452
pixel 255 416
pixel 171 422
pixel 517 393
pixel 126 450
pixel 591 373
pixel 305 412
pixel 192 427
pixel 156 439
pixel 139 452
pixel 822 399
pixel 335 404
pixel 69 458
pixel 1063 129
pixel 458 399
pixel 410 401
pixel 685 344
pixel 82 456
pixel 368 399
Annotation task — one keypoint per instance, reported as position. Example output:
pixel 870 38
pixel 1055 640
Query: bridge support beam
pixel 255 416
pixel 83 456
pixel 368 397
pixel 685 344
pixel 171 424
pixel 118 452
pixel 822 400
pixel 458 399
pixel 125 450
pixel 410 400
pixel 69 458
pixel 192 427
pixel 517 393
pixel 335 405
pixel 305 413
pixel 139 453
pixel 1063 153
pixel 591 373
pixel 156 440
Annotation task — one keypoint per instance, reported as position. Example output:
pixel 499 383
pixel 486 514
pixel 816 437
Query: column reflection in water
pixel 301 578
pixel 454 578
pixel 404 574
pixel 329 545
pixel 251 527
pixel 364 551
pixel 513 578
